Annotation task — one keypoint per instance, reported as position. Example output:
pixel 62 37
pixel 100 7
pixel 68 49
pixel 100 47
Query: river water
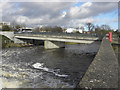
pixel 35 67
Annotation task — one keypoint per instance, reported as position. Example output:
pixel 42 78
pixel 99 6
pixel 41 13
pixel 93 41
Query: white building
pixel 73 30
pixel 26 29
pixel 70 30
pixel 80 30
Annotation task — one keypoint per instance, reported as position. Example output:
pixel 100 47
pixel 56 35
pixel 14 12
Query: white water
pixel 40 66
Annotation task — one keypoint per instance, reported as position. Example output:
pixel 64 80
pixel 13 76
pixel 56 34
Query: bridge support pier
pixel 53 44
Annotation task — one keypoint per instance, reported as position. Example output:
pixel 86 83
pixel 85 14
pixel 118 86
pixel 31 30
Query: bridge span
pixel 57 40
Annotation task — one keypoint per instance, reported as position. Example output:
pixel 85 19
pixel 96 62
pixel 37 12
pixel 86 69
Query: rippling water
pixel 35 67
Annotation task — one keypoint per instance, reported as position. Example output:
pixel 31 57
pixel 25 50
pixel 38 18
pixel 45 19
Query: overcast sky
pixel 66 14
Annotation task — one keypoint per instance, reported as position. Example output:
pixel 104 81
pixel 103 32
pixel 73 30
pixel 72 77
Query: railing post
pixel 110 36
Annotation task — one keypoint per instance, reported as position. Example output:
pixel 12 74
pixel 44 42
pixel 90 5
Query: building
pixel 74 30
pixel 79 30
pixel 26 29
pixel 69 30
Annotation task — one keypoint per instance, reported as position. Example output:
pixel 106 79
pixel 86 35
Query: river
pixel 36 67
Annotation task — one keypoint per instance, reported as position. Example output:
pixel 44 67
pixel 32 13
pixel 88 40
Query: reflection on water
pixel 35 67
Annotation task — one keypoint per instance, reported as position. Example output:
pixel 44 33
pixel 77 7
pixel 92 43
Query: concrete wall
pixel 103 71
pixel 16 40
pixel 10 35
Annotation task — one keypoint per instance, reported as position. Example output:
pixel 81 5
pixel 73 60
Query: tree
pixel 64 29
pixel 57 29
pixel 82 28
pixel 117 32
pixel 18 26
pixel 105 27
pixel 90 26
pixel 6 28
pixel 51 29
pixel 37 29
pixel 102 30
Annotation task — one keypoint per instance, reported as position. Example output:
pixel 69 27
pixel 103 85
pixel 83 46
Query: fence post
pixel 110 36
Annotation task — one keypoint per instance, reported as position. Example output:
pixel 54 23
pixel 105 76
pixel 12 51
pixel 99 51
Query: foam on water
pixel 40 66
pixel 37 65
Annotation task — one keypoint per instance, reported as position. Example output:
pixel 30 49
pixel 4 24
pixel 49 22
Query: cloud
pixel 54 13
pixel 91 9
pixel 36 9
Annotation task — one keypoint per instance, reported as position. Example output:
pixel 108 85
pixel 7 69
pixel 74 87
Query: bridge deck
pixel 62 37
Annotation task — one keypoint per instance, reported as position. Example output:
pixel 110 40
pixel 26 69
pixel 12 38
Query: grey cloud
pixel 50 13
pixel 38 9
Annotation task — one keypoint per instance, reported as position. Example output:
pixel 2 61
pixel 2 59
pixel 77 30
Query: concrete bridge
pixel 57 40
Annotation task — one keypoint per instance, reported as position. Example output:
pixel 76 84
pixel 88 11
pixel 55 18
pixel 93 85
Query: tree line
pixel 6 27
pixel 49 29
pixel 101 30
pixel 94 29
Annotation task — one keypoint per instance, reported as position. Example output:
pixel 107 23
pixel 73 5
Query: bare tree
pixel 105 27
pixel 90 26
pixel 16 26
pixel 37 29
